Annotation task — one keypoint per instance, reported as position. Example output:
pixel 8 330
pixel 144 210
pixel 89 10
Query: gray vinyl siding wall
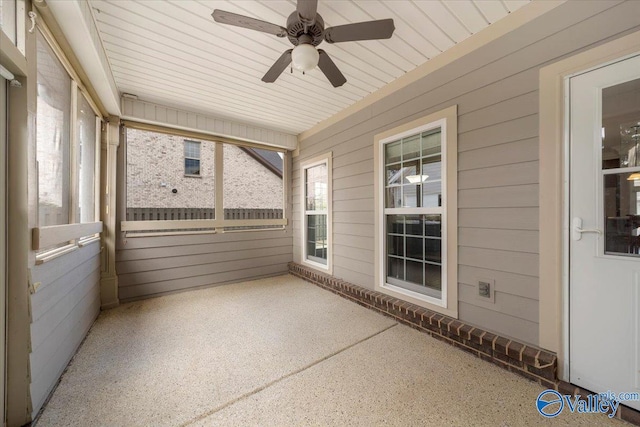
pixel 149 266
pixel 496 90
pixel 63 309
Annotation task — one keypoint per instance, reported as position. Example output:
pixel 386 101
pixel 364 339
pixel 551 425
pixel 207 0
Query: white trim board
pixel 553 180
pixel 156 114
pixel 44 237
pixel 327 159
pixel 75 19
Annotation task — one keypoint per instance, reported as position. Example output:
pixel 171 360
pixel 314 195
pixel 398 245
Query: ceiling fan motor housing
pixel 295 29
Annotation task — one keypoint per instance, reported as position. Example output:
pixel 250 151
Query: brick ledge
pixel 530 362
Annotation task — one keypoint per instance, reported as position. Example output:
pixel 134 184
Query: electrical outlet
pixel 486 290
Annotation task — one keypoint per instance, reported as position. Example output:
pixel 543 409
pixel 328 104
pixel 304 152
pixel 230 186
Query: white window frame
pixel 207 226
pixel 446 121
pixel 307 164
pixel 199 158
pixel 16 17
pixel 74 234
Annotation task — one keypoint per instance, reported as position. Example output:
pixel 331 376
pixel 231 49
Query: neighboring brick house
pixel 171 172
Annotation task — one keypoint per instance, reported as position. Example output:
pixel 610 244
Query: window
pixel 240 188
pixel 8 18
pixel 416 188
pixel 316 211
pixel 159 183
pixel 253 184
pixel 413 212
pixel 192 158
pixel 53 137
pixel 66 156
pixel 88 125
pixel 12 22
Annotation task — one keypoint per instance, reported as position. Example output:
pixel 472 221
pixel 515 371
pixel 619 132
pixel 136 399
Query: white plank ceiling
pixel 173 53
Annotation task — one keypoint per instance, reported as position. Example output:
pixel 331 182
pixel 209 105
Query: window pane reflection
pixel 621 151
pixel 414 252
pixel 622 205
pixel 317 243
pixel 413 172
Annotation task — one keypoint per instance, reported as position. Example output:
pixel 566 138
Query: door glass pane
pixel 621 201
pixel 621 125
pixel 621 150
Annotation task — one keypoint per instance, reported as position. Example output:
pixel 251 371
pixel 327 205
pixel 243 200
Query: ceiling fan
pixel 305 30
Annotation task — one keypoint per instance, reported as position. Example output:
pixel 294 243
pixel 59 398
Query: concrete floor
pixel 280 352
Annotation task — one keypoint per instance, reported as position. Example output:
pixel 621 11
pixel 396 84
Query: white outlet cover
pixel 492 287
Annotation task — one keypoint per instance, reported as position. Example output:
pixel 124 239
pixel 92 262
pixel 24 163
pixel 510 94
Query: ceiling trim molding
pixel 76 22
pixel 155 114
pixel 496 30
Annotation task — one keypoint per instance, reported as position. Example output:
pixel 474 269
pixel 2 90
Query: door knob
pixel 577 229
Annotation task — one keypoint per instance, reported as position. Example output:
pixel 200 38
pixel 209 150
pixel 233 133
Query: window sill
pixel 130 235
pixel 211 224
pixel 186 175
pixel 55 253
pixel 317 266
pixel 434 304
pixel 46 237
pixel 86 241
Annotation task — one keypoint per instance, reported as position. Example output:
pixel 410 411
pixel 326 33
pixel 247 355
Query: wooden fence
pixel 172 214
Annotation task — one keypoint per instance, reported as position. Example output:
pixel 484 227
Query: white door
pixel 604 229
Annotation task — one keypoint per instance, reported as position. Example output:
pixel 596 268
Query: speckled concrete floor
pixel 280 352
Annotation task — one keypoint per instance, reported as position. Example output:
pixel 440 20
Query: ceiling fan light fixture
pixel 305 30
pixel 417 179
pixel 305 57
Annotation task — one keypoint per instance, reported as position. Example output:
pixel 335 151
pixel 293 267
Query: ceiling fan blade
pixel 330 70
pixel 307 10
pixel 277 68
pixel 370 30
pixel 246 22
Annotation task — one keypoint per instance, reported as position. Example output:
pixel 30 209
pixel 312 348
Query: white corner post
pixel 108 186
